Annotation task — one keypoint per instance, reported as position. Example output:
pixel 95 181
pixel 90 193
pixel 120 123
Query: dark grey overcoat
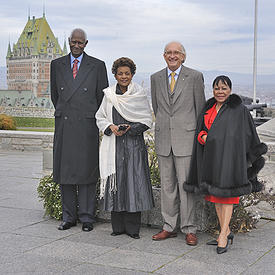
pixel 76 136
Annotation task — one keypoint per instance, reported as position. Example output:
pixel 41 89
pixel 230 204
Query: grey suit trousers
pixel 78 202
pixel 176 204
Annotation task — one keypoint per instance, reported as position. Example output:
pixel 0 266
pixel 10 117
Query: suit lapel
pixel 181 80
pixel 163 84
pixel 85 67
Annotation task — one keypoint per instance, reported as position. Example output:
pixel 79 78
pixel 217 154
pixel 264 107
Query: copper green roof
pixel 36 35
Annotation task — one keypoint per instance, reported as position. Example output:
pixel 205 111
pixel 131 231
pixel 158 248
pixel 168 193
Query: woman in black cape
pixel 227 156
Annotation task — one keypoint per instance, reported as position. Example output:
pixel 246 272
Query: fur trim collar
pixel 232 101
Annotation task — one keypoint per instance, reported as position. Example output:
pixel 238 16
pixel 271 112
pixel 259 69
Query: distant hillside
pixel 3 78
pixel 240 79
pixel 209 76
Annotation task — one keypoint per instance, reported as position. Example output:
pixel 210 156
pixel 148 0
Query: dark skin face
pixel 77 43
pixel 123 77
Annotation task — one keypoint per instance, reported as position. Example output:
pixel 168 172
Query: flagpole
pixel 255 54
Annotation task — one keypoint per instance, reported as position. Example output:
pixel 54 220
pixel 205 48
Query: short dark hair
pixel 224 79
pixel 124 62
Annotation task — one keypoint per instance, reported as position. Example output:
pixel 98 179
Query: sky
pixel 217 34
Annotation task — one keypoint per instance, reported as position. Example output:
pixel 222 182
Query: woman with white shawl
pixel 125 185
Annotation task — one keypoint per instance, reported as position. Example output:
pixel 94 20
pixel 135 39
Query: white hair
pixel 78 30
pixel 182 48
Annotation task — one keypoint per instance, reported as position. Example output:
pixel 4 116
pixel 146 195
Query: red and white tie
pixel 75 68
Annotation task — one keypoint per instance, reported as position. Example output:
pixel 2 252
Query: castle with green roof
pixel 28 62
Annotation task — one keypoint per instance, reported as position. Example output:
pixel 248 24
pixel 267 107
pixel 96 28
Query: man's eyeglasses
pixel 176 53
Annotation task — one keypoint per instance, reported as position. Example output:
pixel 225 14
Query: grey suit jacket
pixel 175 124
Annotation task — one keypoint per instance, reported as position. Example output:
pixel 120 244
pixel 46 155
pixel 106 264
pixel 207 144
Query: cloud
pixel 216 34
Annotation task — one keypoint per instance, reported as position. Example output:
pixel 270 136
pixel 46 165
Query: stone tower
pixel 28 62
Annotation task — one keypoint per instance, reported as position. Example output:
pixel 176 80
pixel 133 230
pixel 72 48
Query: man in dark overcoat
pixel 77 81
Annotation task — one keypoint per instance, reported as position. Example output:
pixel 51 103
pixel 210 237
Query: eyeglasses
pixel 73 43
pixel 176 53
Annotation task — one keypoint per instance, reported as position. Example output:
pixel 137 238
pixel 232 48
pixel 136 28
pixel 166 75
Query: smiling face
pixel 123 77
pixel 173 56
pixel 77 43
pixel 221 92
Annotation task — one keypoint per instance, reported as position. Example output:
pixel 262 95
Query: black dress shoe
pixel 221 250
pixel 134 236
pixel 117 233
pixel 66 225
pixel 230 236
pixel 87 226
pixel 213 242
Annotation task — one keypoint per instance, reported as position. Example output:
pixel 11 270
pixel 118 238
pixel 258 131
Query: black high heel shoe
pixel 230 236
pixel 221 250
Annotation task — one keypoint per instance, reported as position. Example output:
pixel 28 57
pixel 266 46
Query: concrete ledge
pixel 25 140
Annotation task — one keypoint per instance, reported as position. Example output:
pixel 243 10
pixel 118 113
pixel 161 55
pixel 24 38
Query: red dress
pixel 209 117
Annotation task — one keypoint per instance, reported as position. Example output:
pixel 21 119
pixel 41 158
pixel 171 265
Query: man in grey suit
pixel 77 81
pixel 177 98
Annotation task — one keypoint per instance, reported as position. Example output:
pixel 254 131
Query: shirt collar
pixel 78 58
pixel 177 71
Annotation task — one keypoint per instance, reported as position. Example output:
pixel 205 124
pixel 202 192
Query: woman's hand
pixel 117 132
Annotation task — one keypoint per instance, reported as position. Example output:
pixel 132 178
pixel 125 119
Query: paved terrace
pixel 31 243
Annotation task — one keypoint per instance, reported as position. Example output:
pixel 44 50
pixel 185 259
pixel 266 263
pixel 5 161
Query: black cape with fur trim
pixel 228 164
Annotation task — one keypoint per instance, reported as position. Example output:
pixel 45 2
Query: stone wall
pixel 30 141
pixel 27 111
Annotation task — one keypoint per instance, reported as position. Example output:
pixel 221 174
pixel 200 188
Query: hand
pixel 204 137
pixel 123 132
pixel 114 129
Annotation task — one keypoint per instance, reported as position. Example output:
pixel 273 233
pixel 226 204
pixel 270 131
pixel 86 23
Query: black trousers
pixel 78 202
pixel 126 222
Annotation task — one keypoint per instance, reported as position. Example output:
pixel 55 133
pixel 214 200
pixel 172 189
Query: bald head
pixel 174 55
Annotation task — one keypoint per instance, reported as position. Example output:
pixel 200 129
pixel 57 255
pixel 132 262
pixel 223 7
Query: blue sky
pixel 217 34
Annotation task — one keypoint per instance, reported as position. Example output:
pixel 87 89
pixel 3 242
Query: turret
pixel 9 51
pixel 65 52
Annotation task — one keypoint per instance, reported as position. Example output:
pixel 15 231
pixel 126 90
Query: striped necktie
pixel 75 68
pixel 173 81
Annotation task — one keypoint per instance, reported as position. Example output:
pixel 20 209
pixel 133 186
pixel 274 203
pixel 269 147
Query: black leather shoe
pixel 213 242
pixel 134 236
pixel 87 226
pixel 117 233
pixel 230 236
pixel 66 225
pixel 221 250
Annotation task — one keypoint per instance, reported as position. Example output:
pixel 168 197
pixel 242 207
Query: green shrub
pixel 34 122
pixel 7 122
pixel 152 159
pixel 49 193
